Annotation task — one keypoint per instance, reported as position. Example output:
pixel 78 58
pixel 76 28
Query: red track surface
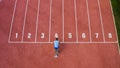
pixel 73 17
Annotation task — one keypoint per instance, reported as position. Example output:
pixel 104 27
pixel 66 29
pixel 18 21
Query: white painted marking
pixel 42 35
pixel 63 17
pixel 83 35
pixel 101 20
pixel 76 21
pixel 29 35
pixel 12 21
pixel 66 42
pixel 0 0
pixel 56 35
pixel 109 35
pixel 37 20
pixel 50 20
pixel 114 25
pixel 88 42
pixel 16 35
pixel 30 42
pixel 96 35
pixel 69 35
pixel 89 21
pixel 26 8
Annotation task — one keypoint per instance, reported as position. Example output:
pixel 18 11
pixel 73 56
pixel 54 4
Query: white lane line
pixel 0 1
pixel 89 21
pixel 63 17
pixel 76 21
pixel 26 8
pixel 101 20
pixel 37 21
pixel 13 16
pixel 50 20
pixel 114 24
pixel 67 42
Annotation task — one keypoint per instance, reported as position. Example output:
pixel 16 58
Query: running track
pixel 86 29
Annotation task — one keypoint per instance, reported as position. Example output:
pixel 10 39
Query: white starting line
pixel 67 42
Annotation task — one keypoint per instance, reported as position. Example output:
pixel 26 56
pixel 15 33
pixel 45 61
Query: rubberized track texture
pixel 85 28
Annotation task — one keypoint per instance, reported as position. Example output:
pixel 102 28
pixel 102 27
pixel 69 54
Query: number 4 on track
pixel 56 35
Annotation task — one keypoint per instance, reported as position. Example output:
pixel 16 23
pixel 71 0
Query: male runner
pixel 56 47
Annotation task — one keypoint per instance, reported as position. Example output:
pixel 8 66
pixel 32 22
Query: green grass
pixel 116 10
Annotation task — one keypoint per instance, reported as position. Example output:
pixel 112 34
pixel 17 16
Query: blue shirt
pixel 56 44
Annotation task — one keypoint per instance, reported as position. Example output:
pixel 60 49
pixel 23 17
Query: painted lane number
pixel 96 35
pixel 109 35
pixel 16 35
pixel 56 35
pixel 29 35
pixel 42 35
pixel 70 35
pixel 83 35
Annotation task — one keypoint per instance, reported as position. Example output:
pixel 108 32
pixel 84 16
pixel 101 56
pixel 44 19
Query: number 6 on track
pixel 83 35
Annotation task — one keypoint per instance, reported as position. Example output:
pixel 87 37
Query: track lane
pixel 56 20
pixel 69 19
pixel 95 22
pixel 43 19
pixel 108 21
pixel 16 31
pixel 83 27
pixel 30 21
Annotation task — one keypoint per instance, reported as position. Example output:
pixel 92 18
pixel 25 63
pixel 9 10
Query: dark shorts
pixel 56 48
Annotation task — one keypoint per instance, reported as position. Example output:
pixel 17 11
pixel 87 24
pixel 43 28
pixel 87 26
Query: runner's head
pixel 56 38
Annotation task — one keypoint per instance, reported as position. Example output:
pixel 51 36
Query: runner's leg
pixel 56 51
